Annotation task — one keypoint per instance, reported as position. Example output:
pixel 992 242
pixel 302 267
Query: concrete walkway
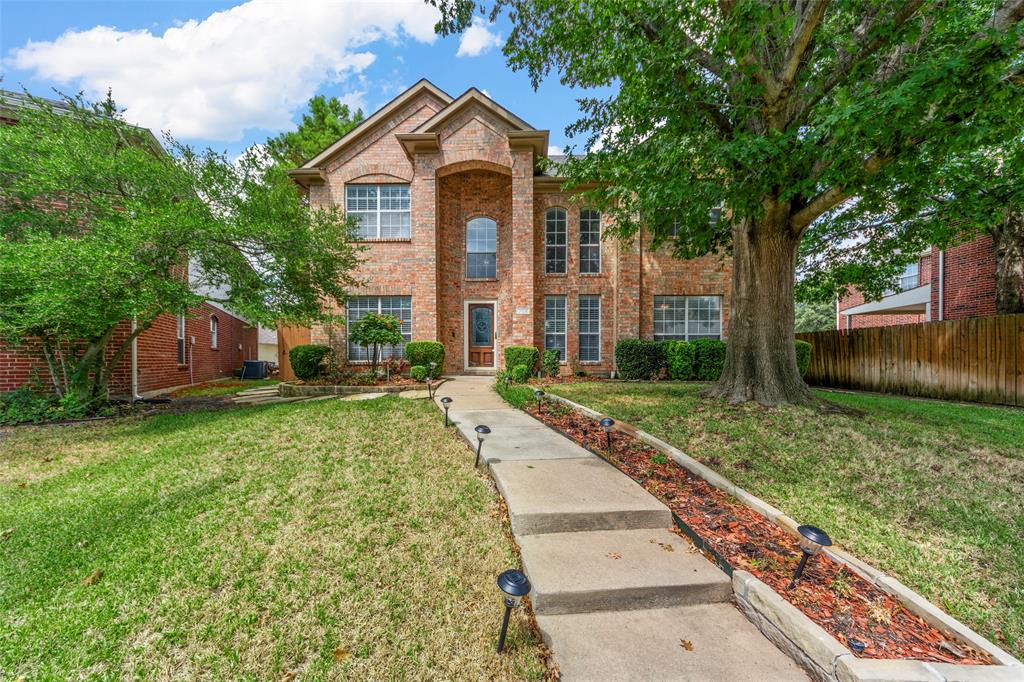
pixel 617 596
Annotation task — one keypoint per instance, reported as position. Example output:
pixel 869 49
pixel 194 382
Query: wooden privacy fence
pixel 979 359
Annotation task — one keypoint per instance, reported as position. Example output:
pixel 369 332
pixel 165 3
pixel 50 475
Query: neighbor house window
pixel 687 317
pixel 398 306
pixel 590 328
pixel 554 324
pixel 555 240
pixel 181 339
pixel 481 249
pixel 590 241
pixel 382 211
pixel 213 331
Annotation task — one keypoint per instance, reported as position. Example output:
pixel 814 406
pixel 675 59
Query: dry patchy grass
pixel 325 540
pixel 931 492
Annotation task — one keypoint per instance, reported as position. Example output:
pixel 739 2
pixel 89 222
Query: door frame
pixel 466 331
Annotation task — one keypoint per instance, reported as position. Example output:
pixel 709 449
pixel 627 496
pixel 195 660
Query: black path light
pixel 540 399
pixel 481 432
pixel 446 403
pixel 514 585
pixel 508 380
pixel 607 423
pixel 812 542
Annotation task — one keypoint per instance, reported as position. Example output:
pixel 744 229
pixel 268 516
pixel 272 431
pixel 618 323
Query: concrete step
pixel 706 643
pixel 567 495
pixel 515 436
pixel 618 569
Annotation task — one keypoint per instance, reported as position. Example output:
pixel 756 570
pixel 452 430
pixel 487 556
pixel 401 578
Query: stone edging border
pixel 800 637
pixel 287 390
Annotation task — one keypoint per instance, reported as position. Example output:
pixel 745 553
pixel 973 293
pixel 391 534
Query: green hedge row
pixel 521 355
pixel 423 353
pixel 307 360
pixel 700 359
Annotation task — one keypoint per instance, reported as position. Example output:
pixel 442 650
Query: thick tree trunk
pixel 1009 246
pixel 760 361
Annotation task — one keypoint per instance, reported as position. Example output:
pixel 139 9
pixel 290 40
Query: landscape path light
pixel 446 403
pixel 514 585
pixel 812 542
pixel 540 399
pixel 607 423
pixel 481 432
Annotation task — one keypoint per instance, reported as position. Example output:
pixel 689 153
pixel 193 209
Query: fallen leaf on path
pixel 686 644
pixel 340 654
pixel 614 555
pixel 93 577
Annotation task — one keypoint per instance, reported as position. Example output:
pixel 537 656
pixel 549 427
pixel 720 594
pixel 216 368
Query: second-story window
pixel 555 240
pixel 382 211
pixel 481 249
pixel 590 241
pixel 214 324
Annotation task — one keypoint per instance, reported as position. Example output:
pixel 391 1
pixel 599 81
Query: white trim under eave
pixel 466 332
pixel 911 302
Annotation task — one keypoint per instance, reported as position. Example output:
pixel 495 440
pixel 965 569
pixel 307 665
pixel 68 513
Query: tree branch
pixel 803 32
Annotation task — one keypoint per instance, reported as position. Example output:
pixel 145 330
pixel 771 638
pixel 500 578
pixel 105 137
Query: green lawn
pixel 211 389
pixel 326 540
pixel 930 492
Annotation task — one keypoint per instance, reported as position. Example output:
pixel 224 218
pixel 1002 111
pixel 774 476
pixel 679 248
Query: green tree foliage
pixel 101 225
pixel 373 331
pixel 816 316
pixel 327 121
pixel 781 114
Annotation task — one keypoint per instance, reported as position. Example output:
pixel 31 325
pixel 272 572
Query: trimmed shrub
pixel 550 362
pixel 639 359
pixel 708 358
pixel 521 355
pixel 307 360
pixel 803 356
pixel 419 372
pixel 520 373
pixel 679 355
pixel 425 352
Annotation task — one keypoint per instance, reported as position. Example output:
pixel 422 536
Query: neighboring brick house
pixel 468 243
pixel 948 284
pixel 209 343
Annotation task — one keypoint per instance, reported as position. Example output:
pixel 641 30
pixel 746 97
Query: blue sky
pixel 229 74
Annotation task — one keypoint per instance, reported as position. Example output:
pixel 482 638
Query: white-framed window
pixel 910 279
pixel 554 324
pixel 181 339
pixel 687 317
pixel 214 324
pixel 481 249
pixel 398 306
pixel 555 240
pixel 383 211
pixel 590 328
pixel 590 241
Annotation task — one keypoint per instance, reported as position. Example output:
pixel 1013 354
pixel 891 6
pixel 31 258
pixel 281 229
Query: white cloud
pixel 554 150
pixel 251 66
pixel 478 39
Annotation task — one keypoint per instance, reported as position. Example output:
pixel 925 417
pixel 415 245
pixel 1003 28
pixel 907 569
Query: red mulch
pixel 829 593
pixel 396 380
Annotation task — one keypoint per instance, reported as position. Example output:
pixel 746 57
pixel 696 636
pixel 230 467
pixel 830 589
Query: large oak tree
pixel 784 113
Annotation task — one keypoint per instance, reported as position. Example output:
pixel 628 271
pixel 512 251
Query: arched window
pixel 213 331
pixel 481 249
pixel 555 240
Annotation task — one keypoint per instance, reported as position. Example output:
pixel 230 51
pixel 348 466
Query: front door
pixel 481 335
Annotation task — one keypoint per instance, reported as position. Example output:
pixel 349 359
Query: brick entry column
pixel 423 270
pixel 522 250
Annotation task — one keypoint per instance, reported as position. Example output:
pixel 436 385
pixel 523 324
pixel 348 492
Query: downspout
pixel 942 283
pixel 135 363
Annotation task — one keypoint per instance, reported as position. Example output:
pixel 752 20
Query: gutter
pixel 135 363
pixel 942 283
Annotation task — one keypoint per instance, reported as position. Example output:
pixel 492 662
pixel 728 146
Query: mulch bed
pixel 829 593
pixel 396 380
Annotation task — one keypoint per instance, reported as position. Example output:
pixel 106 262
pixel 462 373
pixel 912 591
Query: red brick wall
pixel 855 298
pixel 970 280
pixel 157 354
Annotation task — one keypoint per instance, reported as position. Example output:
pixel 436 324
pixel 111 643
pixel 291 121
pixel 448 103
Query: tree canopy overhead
pixel 100 228
pixel 785 114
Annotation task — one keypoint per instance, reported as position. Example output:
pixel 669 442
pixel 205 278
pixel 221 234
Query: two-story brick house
pixel 468 243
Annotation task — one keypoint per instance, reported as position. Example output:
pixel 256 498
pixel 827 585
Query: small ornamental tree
pixel 373 331
pixel 101 227
pixel 781 115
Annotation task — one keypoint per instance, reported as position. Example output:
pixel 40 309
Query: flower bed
pixel 834 597
pixel 363 379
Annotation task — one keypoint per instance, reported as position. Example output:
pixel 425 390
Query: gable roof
pixel 465 100
pixel 354 135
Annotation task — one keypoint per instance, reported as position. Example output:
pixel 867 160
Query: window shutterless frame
pixel 214 330
pixel 590 328
pixel 590 242
pixel 181 339
pixel 397 306
pixel 382 211
pixel 554 325
pixel 481 248
pixel 687 317
pixel 556 241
